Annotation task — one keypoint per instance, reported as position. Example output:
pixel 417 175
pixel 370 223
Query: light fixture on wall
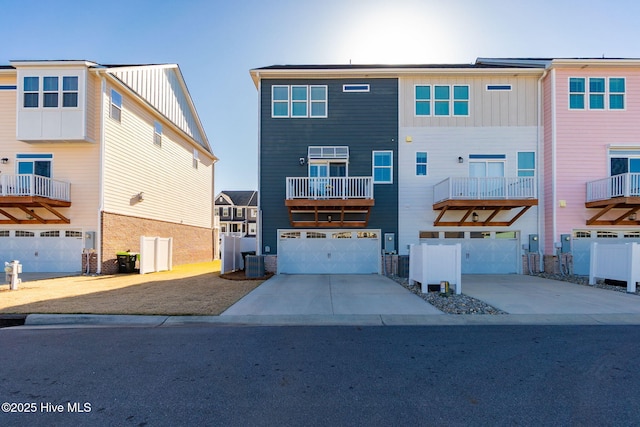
pixel 474 217
pixel 4 160
pixel 329 218
pixel 140 196
pixel 460 159
pixel 301 161
pixel 632 217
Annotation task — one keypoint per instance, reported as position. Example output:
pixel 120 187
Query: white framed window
pixel 526 163
pixel 299 101
pixel 225 211
pixel 116 106
pixel 157 134
pixel 252 229
pixel 69 91
pixel 31 92
pixel 356 87
pixel 499 88
pixel 196 158
pixel 421 163
pixel 253 213
pixel 599 93
pixel 423 100
pixel 442 100
pixel 382 167
pixel 239 212
pixel 50 92
pixel 486 165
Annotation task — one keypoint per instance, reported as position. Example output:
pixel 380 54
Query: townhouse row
pixel 521 161
pixel 94 156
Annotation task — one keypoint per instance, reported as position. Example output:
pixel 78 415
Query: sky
pixel 217 42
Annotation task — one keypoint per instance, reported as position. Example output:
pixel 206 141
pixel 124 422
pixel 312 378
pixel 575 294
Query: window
pixel 239 212
pixel 421 163
pixel 31 92
pixel 616 93
pixel 225 211
pixel 461 100
pixel 454 234
pixel 480 235
pixel 299 101
pixel 22 233
pixel 596 93
pixel 252 229
pixel 280 101
pixel 603 93
pixel 253 213
pixel 196 158
pixel 423 100
pixel 581 234
pixel 576 93
pixel 4 233
pixel 486 165
pixel 116 105
pixel 69 91
pixel 526 164
pixel 76 234
pixel 441 103
pixel 606 235
pixel 50 92
pixel 498 87
pixel 382 167
pixel 157 133
pixel 55 233
pixel 355 88
pixel 429 235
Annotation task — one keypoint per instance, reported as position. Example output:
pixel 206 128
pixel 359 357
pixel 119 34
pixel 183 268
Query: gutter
pixel 541 206
pixel 103 89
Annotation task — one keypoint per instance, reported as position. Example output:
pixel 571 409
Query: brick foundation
pixel 551 263
pixel 122 233
pixel 93 262
pixel 271 263
pixel 535 263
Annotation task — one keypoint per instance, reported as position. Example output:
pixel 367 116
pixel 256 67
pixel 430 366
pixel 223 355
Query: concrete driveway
pixel 330 295
pixel 520 294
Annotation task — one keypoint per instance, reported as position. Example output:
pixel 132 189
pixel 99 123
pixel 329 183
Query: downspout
pixel 259 203
pixel 540 183
pixel 103 88
pixel 553 157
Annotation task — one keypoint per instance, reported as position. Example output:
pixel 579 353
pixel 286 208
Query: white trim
pixel 373 167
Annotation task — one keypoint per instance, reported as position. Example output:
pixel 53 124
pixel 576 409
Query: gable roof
pixel 240 198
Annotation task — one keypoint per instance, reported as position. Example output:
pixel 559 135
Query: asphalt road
pixel 326 376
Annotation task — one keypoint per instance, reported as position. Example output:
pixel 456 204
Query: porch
pixel 24 193
pixel 492 195
pixel 621 192
pixel 329 201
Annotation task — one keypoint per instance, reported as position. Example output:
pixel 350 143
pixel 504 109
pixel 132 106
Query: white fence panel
pixel 231 250
pixel 156 254
pixel 616 262
pixel 431 264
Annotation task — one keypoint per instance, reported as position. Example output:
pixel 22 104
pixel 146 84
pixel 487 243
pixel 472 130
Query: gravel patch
pixel 584 280
pixel 450 303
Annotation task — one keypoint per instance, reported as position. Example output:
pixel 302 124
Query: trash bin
pixel 126 262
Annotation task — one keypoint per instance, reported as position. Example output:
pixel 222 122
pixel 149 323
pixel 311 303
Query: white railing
pixel 351 187
pixel 623 185
pixel 34 185
pixel 483 188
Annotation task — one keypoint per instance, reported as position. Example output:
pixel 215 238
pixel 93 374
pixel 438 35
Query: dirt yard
pixel 194 289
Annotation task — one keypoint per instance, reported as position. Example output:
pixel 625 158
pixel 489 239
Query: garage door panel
pixel 43 254
pixel 320 252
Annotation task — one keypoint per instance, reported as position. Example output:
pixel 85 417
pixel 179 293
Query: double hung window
pixel 299 101
pixel 382 167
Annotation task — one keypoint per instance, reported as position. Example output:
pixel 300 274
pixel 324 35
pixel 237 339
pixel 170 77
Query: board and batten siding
pixel 174 191
pixel 582 140
pixel 515 107
pixel 443 147
pixel 77 163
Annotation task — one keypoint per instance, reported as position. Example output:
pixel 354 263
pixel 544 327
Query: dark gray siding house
pixel 328 180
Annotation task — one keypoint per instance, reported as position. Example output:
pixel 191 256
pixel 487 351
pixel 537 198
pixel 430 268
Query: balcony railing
pixel 330 188
pixel 485 188
pixel 623 185
pixel 34 185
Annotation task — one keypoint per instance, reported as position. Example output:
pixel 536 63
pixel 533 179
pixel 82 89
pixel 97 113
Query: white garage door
pixel 329 251
pixel 483 252
pixel 582 240
pixel 57 251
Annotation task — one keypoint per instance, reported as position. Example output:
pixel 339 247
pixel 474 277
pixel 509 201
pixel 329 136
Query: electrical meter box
pixel 389 243
pixel 533 243
pixel 565 243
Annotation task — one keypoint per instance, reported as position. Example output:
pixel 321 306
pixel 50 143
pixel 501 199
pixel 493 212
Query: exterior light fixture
pixel 4 160
pixel 301 161
pixel 140 196
pixel 460 159
pixel 474 217
pixel 632 217
pixel 329 218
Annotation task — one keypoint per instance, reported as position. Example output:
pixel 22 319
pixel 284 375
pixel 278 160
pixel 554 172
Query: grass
pixel 193 289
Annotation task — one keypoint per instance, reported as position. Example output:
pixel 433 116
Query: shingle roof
pixel 242 198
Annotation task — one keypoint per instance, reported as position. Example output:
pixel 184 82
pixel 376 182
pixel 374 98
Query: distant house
pixel 237 212
pixel 94 156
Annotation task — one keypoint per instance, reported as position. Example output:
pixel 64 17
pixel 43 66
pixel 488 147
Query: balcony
pixel 27 192
pixel 329 201
pixel 621 192
pixel 490 194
